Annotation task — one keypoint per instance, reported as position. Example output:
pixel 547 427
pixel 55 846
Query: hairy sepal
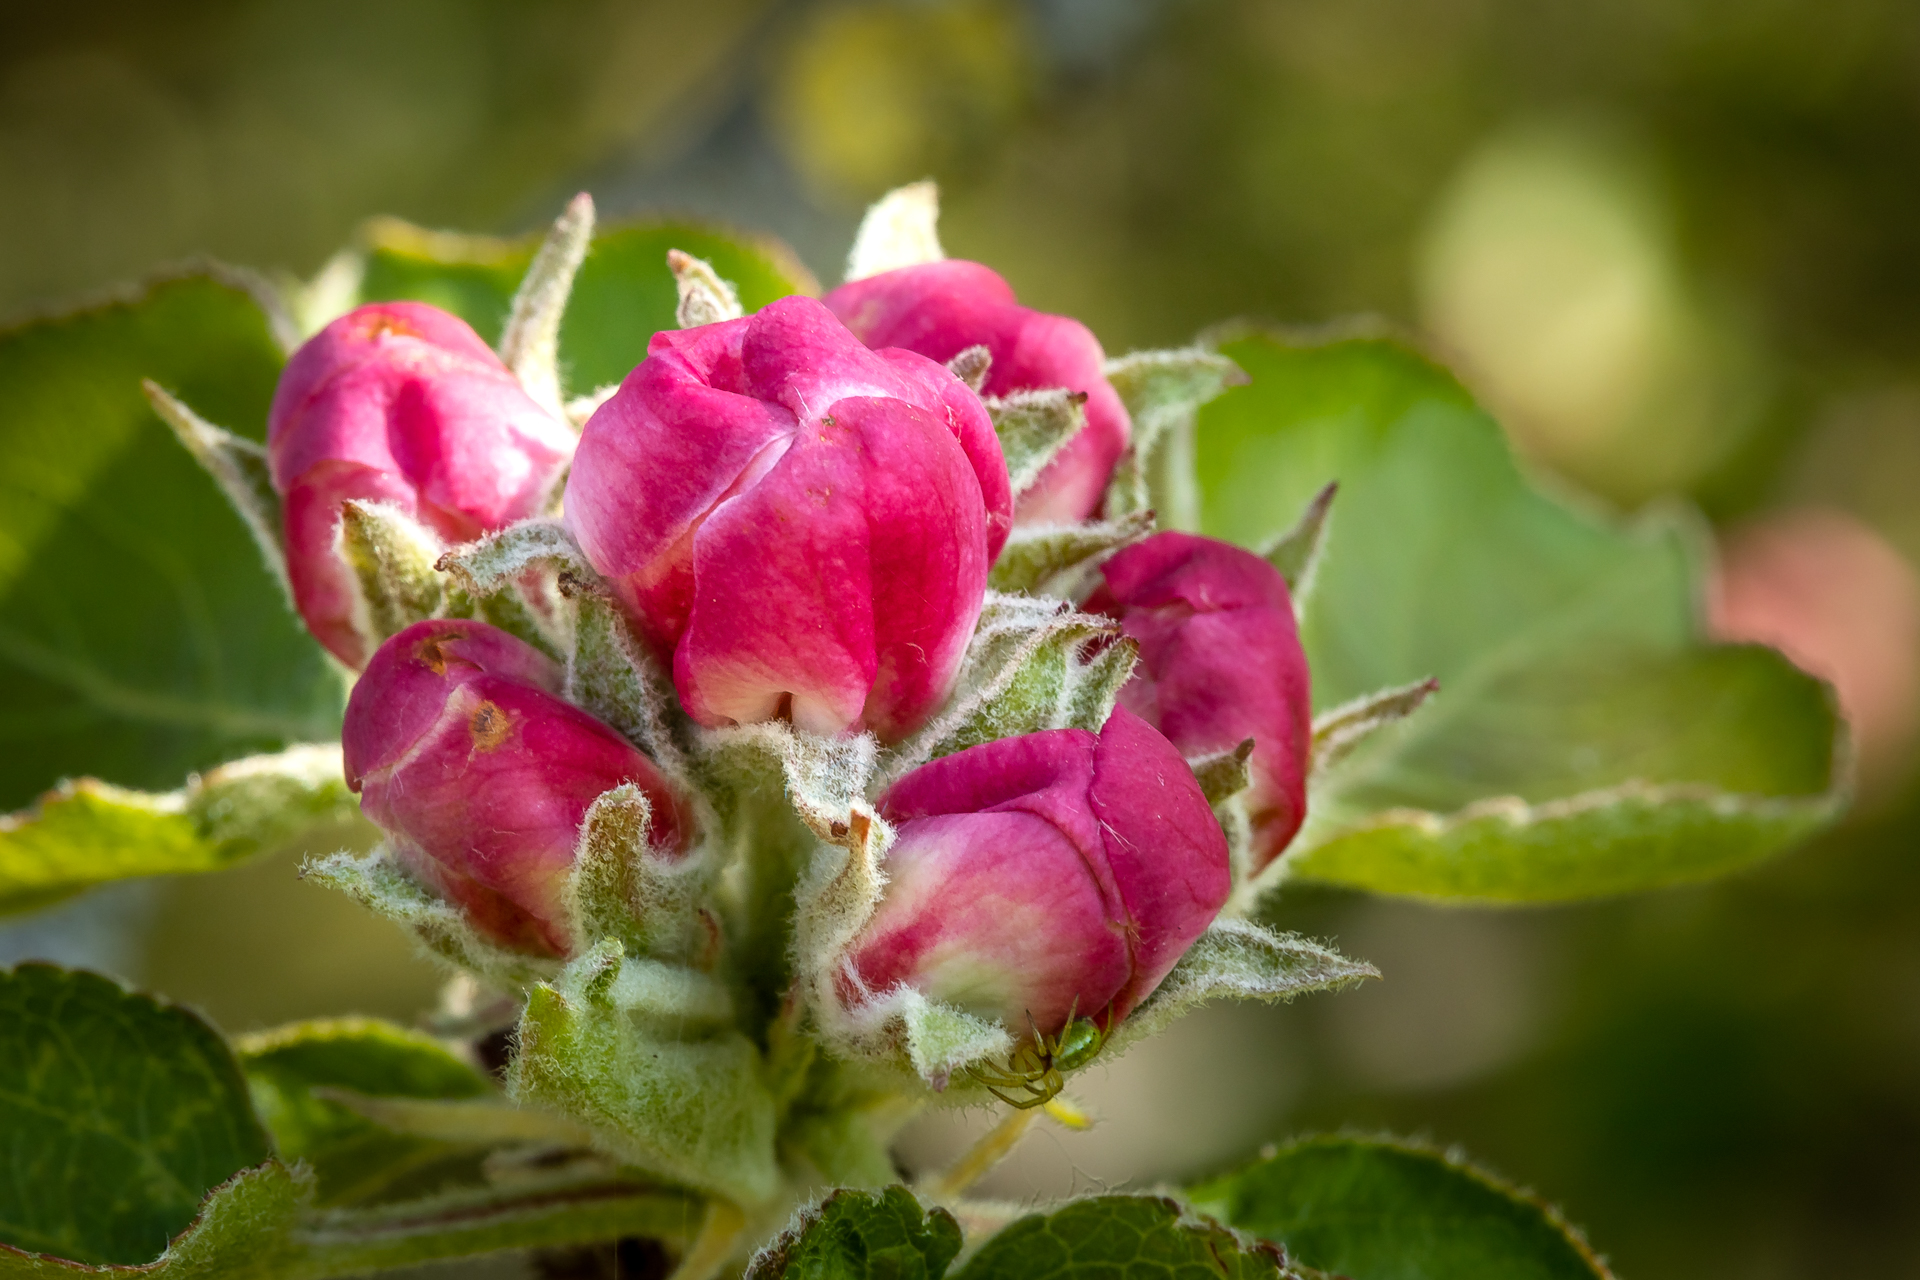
pixel 513 579
pixel 646 1056
pixel 655 907
pixel 1033 664
pixel 613 677
pixel 239 466
pixel 380 882
pixel 1337 732
pixel 1163 392
pixel 530 342
pixel 704 297
pixel 1239 960
pixel 1297 552
pixel 1033 426
pixel 900 229
pixel 393 558
pixel 1061 560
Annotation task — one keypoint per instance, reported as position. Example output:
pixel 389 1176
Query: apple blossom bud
pixel 464 753
pixel 1043 877
pixel 1220 662
pixel 400 403
pixel 940 309
pixel 802 525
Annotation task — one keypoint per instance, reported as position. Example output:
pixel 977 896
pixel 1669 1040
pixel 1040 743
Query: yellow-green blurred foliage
pixel 868 96
pixel 1673 242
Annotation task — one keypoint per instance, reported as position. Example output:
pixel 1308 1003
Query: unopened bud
pixel 940 309
pixel 464 753
pixel 1043 877
pixel 400 403
pixel 1220 662
pixel 801 525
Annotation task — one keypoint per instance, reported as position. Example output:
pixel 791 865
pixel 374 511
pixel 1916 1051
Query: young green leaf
pixel 140 637
pixel 120 1113
pixel 623 295
pixel 1381 1209
pixel 1589 740
pixel 352 1158
pixel 244 1231
pixel 1104 1236
pixel 87 833
pixel 699 1112
pixel 862 1235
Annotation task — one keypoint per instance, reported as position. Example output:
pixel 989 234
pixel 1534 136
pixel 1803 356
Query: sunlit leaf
pixel 141 637
pixel 1584 738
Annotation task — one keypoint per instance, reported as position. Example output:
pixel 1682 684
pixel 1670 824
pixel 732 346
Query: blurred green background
pixel 1672 242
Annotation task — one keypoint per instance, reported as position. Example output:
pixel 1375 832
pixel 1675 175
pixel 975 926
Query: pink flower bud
pixel 465 755
pixel 401 403
pixel 939 309
pixel 803 525
pixel 1220 662
pixel 1053 874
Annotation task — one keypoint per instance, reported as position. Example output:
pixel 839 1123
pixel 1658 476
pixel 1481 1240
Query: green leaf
pixel 87 833
pixel 1138 1237
pixel 244 1231
pixel 1377 1209
pixel 863 1235
pixel 118 1114
pixel 352 1158
pixel 1584 739
pixel 624 294
pixel 141 638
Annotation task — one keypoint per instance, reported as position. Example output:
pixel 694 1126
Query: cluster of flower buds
pixel 794 514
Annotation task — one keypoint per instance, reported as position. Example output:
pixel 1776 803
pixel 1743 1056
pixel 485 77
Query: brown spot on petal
pixel 490 726
pixel 429 652
pixel 381 326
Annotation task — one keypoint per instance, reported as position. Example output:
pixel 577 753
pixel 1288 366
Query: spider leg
pixel 1018 1104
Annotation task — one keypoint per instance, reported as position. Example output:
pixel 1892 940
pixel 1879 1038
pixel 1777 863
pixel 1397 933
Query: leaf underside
pixel 1585 739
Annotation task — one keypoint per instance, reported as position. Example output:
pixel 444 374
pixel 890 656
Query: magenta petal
pixel 939 309
pixel 1111 836
pixel 801 523
pixel 992 912
pixel 783 619
pixel 1220 662
pixel 1166 850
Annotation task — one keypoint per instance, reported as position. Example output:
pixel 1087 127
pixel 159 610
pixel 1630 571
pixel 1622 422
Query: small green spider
pixel 1032 1076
